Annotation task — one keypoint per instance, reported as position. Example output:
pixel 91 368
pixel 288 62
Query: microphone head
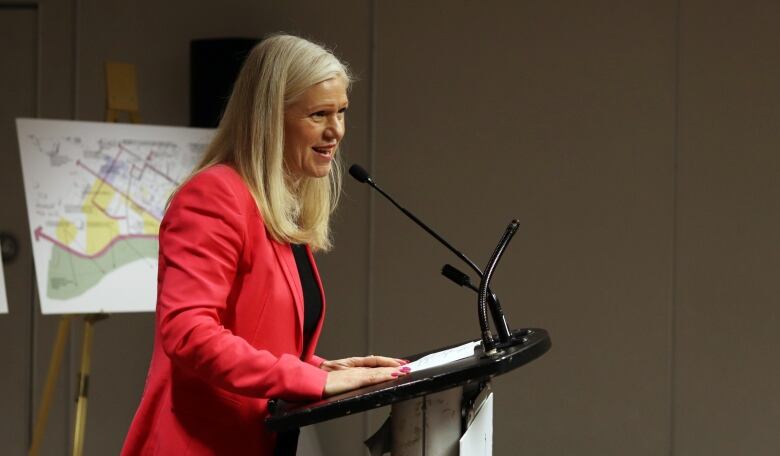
pixel 455 275
pixel 360 174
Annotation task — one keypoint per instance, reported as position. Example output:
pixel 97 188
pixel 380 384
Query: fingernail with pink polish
pixel 406 369
pixel 394 374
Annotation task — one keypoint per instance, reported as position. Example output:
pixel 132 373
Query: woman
pixel 240 305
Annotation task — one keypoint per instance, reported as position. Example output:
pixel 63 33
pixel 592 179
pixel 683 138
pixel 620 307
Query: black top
pixel 312 299
pixel 287 441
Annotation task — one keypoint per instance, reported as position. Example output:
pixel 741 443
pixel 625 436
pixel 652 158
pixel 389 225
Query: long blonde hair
pixel 250 138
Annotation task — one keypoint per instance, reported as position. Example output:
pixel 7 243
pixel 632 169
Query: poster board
pixel 96 193
pixel 3 296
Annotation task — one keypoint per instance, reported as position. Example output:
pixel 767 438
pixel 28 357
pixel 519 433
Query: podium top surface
pixel 531 344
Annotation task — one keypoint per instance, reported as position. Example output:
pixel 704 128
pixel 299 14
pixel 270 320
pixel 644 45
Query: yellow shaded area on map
pixel 101 229
pixel 151 225
pixel 66 231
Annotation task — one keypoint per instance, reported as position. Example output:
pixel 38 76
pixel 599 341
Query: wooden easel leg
pixel 81 404
pixel 51 380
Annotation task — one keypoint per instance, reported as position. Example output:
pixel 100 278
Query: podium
pixel 431 408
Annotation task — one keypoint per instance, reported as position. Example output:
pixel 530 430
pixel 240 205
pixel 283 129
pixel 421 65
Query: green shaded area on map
pixel 71 275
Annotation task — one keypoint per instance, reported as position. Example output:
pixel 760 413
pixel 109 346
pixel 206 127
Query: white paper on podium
pixel 443 357
pixel 3 297
pixel 478 438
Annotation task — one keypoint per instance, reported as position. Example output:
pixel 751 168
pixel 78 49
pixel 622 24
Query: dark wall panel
pixel 18 28
pixel 560 114
pixel 728 260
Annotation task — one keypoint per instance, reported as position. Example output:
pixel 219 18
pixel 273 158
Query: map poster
pixel 96 193
pixel 3 296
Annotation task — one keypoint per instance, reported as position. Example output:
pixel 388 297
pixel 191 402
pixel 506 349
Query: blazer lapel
pixel 290 269
pixel 316 334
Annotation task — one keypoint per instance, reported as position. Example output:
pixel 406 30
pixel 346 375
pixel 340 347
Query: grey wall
pixel 728 230
pixel 561 116
pixel 18 27
pixel 636 142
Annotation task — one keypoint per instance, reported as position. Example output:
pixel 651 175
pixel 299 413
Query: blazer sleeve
pixel 316 361
pixel 201 241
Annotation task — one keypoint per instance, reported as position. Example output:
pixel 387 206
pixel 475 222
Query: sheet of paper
pixel 478 438
pixel 443 357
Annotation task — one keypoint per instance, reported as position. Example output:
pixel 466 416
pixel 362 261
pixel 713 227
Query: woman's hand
pixel 352 373
pixel 362 361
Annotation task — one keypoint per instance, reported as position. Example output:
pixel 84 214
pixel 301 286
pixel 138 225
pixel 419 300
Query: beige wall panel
pixel 560 114
pixel 728 262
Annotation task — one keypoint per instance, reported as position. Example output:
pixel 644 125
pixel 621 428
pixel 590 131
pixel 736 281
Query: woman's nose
pixel 335 129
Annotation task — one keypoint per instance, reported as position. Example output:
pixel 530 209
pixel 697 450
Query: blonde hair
pixel 250 138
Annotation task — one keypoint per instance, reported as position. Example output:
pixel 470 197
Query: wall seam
pixel 33 283
pixel 372 82
pixel 76 55
pixel 73 362
pixel 675 227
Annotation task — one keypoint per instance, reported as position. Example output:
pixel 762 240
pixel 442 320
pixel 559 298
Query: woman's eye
pixel 319 114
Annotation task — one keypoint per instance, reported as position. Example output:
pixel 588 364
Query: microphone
pixel 460 278
pixel 484 285
pixel 362 176
pixel 454 274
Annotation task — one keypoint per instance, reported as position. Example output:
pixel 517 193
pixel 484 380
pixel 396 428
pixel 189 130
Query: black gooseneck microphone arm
pixel 484 284
pixel 361 175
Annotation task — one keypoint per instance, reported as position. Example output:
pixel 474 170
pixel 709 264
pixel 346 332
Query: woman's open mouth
pixel 326 150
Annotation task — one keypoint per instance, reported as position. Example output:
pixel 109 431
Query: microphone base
pixel 517 337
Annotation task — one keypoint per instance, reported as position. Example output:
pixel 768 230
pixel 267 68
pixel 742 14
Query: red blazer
pixel 229 327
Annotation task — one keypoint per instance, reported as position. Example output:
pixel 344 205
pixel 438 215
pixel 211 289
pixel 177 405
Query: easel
pixel 121 96
pixel 121 92
pixel 51 379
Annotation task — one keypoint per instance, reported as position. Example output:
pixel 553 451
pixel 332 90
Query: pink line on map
pixel 146 164
pixel 123 149
pixel 40 234
pixel 103 210
pixel 103 181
